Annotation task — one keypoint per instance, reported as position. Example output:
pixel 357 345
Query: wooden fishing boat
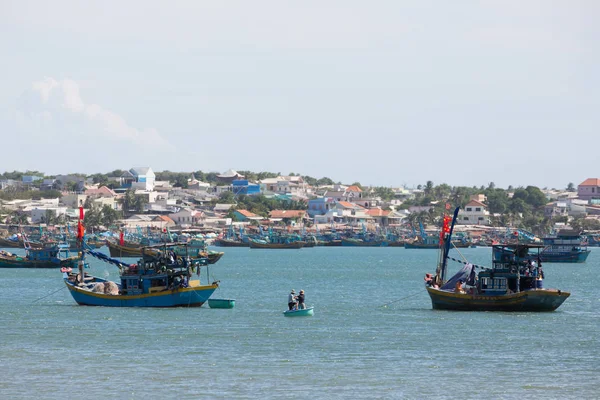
pixel 125 250
pixel 564 247
pixel 155 281
pixel 508 285
pixel 48 257
pixel 256 244
pixel 352 242
pixel 221 303
pixel 18 242
pixel 10 243
pixel 222 242
pixel 307 312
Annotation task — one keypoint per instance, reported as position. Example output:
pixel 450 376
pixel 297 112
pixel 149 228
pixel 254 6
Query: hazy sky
pixel 380 92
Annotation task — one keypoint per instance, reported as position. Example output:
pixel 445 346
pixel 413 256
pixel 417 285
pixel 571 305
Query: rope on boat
pixel 43 297
pixel 465 262
pixel 402 298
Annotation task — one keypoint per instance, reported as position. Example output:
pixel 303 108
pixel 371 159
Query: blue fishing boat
pixel 566 246
pixel 306 312
pixel 423 240
pixel 510 284
pixel 157 280
pixel 53 256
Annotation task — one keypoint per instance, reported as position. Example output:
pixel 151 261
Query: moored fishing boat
pixel 47 257
pixel 159 279
pixel 262 244
pixel 356 242
pixel 564 247
pixel 18 241
pixel 123 250
pixel 509 285
pixel 223 242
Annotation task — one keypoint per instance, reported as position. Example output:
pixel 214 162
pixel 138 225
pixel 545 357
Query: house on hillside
pixel 589 189
pixel 229 176
pixel 319 206
pixel 474 213
pixel 556 209
pixel 245 215
pixel 242 186
pixel 187 216
pixel 379 216
pixel 288 216
pixel 138 178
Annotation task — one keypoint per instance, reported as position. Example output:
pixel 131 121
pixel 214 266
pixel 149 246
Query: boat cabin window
pixel 493 283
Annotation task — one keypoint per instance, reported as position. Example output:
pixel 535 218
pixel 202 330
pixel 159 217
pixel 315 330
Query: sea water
pixel 373 335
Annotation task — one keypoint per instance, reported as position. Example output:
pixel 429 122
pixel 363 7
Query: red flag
pixel 80 231
pixel 446 226
pixel 121 239
pixel 80 228
pixel 447 206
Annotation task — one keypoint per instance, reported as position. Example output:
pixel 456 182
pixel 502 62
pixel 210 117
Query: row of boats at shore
pixel 176 274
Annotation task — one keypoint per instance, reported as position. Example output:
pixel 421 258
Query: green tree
pixel 109 216
pixel 571 187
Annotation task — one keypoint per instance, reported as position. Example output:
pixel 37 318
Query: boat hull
pixel 221 303
pixel 230 243
pixel 421 246
pixel 23 263
pixel 530 300
pixel 119 251
pixel 181 297
pixel 551 256
pixel 362 243
pixel 307 312
pixel 292 245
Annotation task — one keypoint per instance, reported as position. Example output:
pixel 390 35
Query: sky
pixel 385 93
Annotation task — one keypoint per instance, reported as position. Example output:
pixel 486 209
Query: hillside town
pixel 137 199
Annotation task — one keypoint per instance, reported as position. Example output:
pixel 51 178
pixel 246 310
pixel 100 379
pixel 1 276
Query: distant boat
pixel 47 257
pixel 508 285
pixel 222 242
pixel 307 312
pixel 564 247
pixel 352 242
pixel 134 250
pixel 124 250
pixel 261 244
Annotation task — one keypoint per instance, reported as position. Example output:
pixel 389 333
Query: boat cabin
pixel 160 268
pixel 512 270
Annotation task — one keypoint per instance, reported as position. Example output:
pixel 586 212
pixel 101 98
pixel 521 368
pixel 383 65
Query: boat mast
pixel 80 233
pixel 446 249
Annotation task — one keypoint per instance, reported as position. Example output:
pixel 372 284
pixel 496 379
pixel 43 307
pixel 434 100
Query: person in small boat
pixel 458 288
pixel 292 300
pixel 300 300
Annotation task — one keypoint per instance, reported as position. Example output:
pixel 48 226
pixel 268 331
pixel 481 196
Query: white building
pixel 474 213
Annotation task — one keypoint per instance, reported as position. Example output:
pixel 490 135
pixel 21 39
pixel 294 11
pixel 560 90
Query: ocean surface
pixel 373 335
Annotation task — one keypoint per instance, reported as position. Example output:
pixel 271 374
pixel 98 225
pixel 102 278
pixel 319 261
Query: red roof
pixel 591 182
pixel 476 203
pixel 104 190
pixel 247 213
pixel 378 212
pixel 347 204
pixel 165 218
pixel 287 214
pixel 353 188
